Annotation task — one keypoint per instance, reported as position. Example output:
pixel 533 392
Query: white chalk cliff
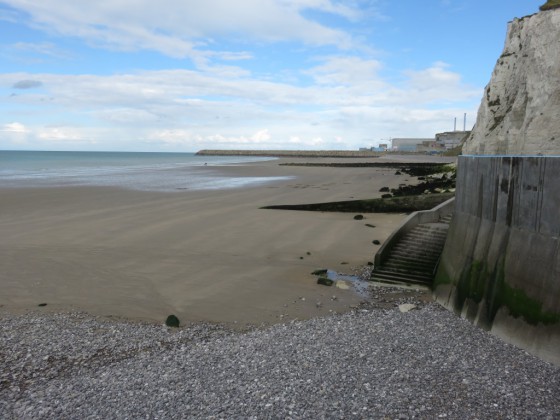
pixel 520 110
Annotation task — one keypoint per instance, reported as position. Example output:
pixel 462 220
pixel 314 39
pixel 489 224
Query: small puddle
pixel 345 281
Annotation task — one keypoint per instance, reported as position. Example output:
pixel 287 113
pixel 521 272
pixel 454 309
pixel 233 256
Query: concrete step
pixel 395 278
pixel 438 229
pixel 408 275
pixel 432 225
pixel 427 274
pixel 426 235
pixel 425 239
pixel 434 240
pixel 430 235
pixel 415 257
pixel 415 245
pixel 413 267
pixel 446 219
pixel 395 282
pixel 409 259
pixel 407 267
pixel 415 253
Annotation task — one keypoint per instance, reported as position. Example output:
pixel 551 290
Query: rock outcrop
pixel 519 113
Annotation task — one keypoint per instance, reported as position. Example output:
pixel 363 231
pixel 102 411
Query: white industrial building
pixel 409 144
pixel 451 139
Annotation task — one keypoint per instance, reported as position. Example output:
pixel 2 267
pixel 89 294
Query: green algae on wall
pixel 518 302
pixel 472 284
pixel 478 285
pixel 441 278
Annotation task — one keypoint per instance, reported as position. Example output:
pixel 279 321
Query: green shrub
pixel 550 4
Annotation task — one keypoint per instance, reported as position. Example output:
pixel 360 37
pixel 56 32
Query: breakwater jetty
pixel 292 153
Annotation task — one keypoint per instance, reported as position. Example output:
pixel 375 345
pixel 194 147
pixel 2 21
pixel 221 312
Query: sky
pixel 185 75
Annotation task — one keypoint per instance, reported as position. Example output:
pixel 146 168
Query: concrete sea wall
pixel 500 267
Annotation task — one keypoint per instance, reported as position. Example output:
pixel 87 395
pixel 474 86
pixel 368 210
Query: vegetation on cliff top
pixel 550 4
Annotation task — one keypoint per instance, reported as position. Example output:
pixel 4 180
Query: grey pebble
pixel 379 363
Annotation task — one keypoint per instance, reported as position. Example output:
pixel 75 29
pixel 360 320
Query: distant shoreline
pixel 291 153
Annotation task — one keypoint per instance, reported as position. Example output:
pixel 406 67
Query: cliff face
pixel 520 110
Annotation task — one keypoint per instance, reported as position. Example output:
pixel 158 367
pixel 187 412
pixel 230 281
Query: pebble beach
pixel 371 363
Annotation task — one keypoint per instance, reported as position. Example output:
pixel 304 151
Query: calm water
pixel 141 171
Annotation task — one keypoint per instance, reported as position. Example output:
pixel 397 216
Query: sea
pixel 170 172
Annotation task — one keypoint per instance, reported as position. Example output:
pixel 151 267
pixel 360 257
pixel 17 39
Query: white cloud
pixel 297 142
pixel 336 8
pixel 14 127
pixel 16 133
pixel 41 48
pixel 276 137
pixel 180 28
pixel 180 136
pixel 231 56
pixel 13 133
pixel 437 74
pixel 353 10
pixel 27 84
pixel 261 136
pixel 9 16
pixel 127 116
pixel 190 109
pixel 60 134
pixel 346 70
pixel 437 83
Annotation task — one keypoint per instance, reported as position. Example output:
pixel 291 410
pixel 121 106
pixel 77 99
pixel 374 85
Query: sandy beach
pixel 105 260
pixel 201 255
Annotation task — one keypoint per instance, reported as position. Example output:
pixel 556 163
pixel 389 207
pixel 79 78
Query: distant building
pixel 429 146
pixel 439 144
pixel 451 139
pixel 409 144
pixel 380 148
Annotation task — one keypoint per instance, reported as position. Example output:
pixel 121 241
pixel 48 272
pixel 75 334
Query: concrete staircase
pixel 414 256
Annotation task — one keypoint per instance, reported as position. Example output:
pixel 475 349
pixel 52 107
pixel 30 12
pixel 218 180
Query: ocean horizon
pixel 148 171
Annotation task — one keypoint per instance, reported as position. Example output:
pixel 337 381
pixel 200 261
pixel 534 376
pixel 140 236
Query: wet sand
pixel 201 255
